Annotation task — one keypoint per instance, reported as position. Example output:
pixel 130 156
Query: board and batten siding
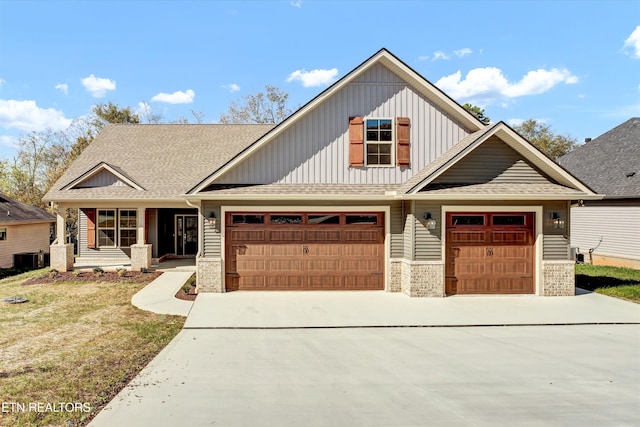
pixel 23 238
pixel 613 229
pixel 102 178
pixel 316 148
pixel 495 162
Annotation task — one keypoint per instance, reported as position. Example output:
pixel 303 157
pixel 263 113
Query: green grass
pixel 617 282
pixel 73 342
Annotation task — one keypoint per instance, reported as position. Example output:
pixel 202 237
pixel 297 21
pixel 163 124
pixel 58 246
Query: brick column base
pixel 423 278
pixel 209 275
pixel 140 257
pixel 61 257
pixel 558 279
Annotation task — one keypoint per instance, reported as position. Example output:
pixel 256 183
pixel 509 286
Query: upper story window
pixel 379 141
pixel 3 234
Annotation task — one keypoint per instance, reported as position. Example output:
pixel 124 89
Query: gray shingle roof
pixel 303 190
pixel 13 211
pixel 610 163
pixel 166 160
pixel 541 190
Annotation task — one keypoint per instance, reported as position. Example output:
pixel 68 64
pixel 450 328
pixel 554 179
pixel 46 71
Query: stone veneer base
pixel 209 275
pixel 558 279
pixel 140 257
pixel 61 257
pixel 417 278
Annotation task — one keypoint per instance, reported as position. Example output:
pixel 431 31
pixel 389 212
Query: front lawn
pixel 613 281
pixel 72 347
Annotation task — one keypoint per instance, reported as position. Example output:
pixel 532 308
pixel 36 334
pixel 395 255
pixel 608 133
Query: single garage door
pixel 489 253
pixel 304 251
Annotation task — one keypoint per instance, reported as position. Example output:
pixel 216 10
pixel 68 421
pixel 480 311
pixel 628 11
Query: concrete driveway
pixel 348 371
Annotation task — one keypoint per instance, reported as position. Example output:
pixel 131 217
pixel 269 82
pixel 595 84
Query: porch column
pixel 61 253
pixel 141 251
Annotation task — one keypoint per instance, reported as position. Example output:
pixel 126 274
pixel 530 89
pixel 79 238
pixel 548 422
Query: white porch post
pixel 61 253
pixel 141 251
pixel 141 226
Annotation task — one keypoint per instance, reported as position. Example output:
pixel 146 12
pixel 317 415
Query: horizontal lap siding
pixel 102 253
pixel 493 161
pixel 556 244
pixel 23 238
pixel 212 237
pixel 316 148
pixel 397 249
pixel 617 226
pixel 428 243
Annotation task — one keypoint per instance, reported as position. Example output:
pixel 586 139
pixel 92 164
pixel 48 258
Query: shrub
pixel 121 272
pixel 77 273
pixel 53 273
pixel 98 271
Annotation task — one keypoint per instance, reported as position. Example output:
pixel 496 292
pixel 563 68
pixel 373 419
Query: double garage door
pixel 304 251
pixel 489 253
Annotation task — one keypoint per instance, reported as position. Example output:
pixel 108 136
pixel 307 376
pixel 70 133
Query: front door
pixel 186 234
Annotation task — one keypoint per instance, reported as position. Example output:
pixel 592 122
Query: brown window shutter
pixel 356 141
pixel 91 227
pixel 402 141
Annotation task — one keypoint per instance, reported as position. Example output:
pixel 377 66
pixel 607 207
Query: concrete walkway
pixel 339 309
pixel 159 295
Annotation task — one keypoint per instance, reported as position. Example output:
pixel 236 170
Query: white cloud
pixel 232 87
pixel 484 85
pixel 462 52
pixel 9 141
pixel 438 54
pixel 63 87
pixel 633 43
pixel 423 57
pixel 314 77
pixel 177 97
pixel 1 82
pixel 296 3
pixel 515 122
pixel 27 116
pixel 98 86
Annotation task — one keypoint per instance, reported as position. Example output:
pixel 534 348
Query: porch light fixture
pixel 429 221
pixel 558 221
pixel 212 219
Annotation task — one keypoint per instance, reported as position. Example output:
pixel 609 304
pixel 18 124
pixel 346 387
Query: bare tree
pixel 263 107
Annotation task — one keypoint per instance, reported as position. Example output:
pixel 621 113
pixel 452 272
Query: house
pixel 380 182
pixel 23 229
pixel 607 231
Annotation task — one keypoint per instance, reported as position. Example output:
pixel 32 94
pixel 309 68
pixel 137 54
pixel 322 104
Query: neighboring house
pixel 607 231
pixel 23 229
pixel 380 182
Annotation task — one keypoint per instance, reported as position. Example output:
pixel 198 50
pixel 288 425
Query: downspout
pixel 200 228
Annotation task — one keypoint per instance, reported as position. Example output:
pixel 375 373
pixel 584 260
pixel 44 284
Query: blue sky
pixel 574 65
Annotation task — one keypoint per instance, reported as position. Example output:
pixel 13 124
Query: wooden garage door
pixel 298 251
pixel 489 253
